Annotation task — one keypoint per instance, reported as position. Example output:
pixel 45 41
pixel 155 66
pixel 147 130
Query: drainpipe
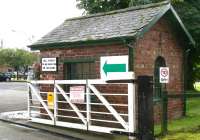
pixel 131 50
pixel 185 78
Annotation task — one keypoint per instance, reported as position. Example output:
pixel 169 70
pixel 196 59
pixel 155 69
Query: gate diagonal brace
pixel 109 107
pixel 41 101
pixel 74 107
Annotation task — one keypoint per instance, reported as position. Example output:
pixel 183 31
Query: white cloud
pixel 20 19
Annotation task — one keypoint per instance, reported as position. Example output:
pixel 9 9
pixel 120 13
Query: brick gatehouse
pixel 151 35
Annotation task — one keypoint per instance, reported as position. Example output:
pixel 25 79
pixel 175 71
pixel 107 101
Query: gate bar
pixel 42 102
pixel 109 107
pixel 71 104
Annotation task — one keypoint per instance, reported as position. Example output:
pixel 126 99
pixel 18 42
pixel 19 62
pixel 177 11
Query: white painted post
pixel 88 106
pixel 131 107
pixel 55 104
pixel 28 98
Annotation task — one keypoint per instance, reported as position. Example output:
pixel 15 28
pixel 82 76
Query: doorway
pixel 158 87
pixel 159 91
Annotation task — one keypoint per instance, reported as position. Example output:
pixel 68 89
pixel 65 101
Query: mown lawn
pixel 186 128
pixel 183 136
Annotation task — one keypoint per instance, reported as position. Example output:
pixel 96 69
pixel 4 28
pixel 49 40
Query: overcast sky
pixel 25 21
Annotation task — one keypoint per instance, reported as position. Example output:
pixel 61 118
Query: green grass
pixel 186 128
pixel 184 136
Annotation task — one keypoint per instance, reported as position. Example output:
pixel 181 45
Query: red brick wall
pixel 81 53
pixel 161 41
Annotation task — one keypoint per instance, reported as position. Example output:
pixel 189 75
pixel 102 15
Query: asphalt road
pixel 13 96
pixel 16 132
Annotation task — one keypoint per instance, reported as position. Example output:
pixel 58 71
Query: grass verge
pixel 186 128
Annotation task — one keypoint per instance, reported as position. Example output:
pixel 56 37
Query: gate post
pixel 29 102
pixel 164 113
pixel 88 105
pixel 145 108
pixel 55 105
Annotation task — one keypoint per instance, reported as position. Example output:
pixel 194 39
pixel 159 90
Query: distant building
pixel 4 68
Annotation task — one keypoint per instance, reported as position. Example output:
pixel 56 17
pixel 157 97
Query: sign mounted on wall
pixel 164 75
pixel 113 66
pixel 49 64
pixel 50 99
pixel 77 94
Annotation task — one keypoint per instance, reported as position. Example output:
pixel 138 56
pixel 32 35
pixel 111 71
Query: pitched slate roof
pixel 115 24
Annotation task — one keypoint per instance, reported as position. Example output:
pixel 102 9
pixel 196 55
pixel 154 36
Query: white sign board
pixel 77 94
pixel 164 75
pixel 114 67
pixel 49 64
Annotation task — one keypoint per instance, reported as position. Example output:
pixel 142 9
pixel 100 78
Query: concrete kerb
pixel 20 118
pixel 40 129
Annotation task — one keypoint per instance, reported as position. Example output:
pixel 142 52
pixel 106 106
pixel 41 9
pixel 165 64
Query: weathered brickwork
pixel 159 41
pixel 83 52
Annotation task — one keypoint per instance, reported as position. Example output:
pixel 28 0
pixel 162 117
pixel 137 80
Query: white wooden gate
pixel 83 116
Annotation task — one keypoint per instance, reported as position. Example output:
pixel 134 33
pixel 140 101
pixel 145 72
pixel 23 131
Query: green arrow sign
pixel 114 68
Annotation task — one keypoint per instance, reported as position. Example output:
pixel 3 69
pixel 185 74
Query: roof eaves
pixel 183 26
pixel 118 40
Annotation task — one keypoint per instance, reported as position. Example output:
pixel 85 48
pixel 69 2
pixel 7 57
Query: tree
pixel 17 59
pixel 189 11
pixel 96 6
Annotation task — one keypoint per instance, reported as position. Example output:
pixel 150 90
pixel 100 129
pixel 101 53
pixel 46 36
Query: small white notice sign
pixel 164 74
pixel 77 94
pixel 49 64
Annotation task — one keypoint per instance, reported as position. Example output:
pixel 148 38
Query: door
pixel 158 95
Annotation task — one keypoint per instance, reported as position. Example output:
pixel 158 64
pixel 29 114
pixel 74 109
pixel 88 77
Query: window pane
pixel 78 71
pixel 86 71
pixel 81 71
pixel 92 71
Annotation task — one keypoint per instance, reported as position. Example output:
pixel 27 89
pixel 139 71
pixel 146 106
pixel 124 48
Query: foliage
pixel 189 11
pixel 16 58
pixel 96 6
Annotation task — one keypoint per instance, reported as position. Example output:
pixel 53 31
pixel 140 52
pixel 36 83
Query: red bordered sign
pixel 77 94
pixel 164 74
